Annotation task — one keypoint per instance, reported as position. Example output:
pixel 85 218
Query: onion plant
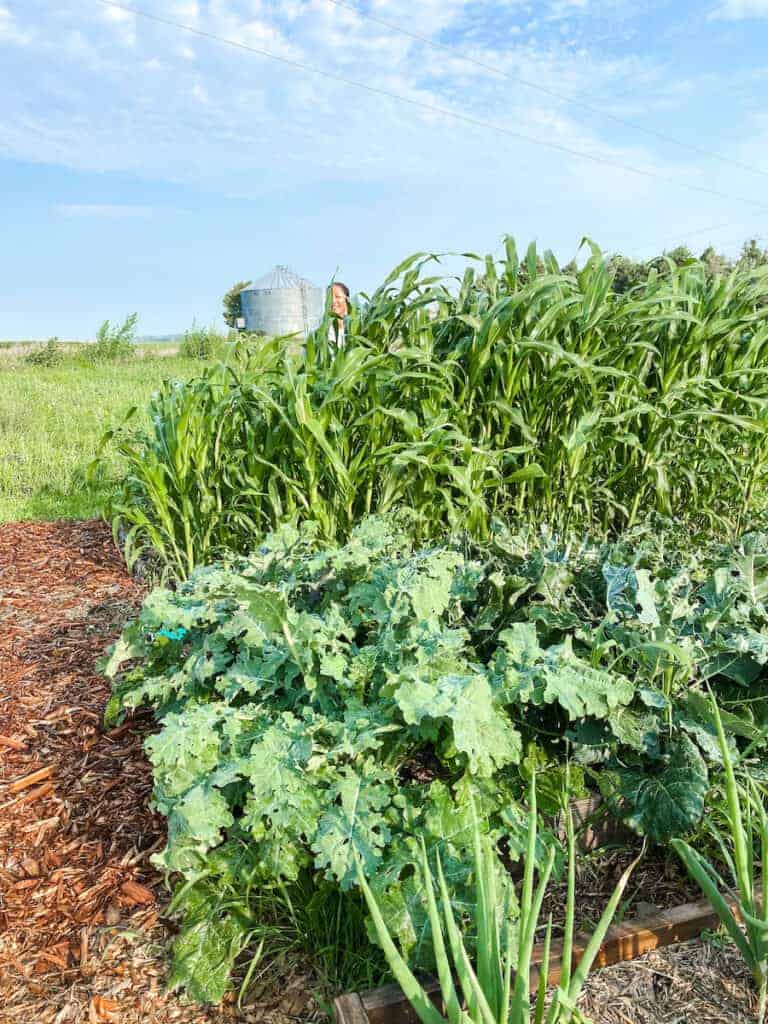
pixel 496 988
pixel 743 845
pixel 520 390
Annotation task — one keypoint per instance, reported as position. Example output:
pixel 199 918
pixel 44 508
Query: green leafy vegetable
pixel 667 801
pixel 324 706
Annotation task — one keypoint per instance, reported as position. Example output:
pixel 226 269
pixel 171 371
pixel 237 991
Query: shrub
pixel 50 354
pixel 202 343
pixel 296 693
pixel 113 344
pixel 318 704
pixel 232 304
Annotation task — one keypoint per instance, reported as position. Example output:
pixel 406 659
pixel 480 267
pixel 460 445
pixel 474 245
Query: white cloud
pixel 117 14
pixel 566 8
pixel 738 10
pixel 107 211
pixel 10 33
pixel 124 23
pixel 200 94
pixel 187 11
pixel 215 117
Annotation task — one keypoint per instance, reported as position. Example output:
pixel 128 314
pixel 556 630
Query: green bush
pixel 50 354
pixel 202 343
pixel 113 344
pixel 324 705
pixel 293 690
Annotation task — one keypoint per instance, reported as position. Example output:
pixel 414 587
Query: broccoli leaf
pixel 479 730
pixel 664 803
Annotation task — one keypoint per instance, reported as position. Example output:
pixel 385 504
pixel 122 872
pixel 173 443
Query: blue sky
pixel 144 168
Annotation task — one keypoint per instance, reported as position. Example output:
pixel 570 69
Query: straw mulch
pixel 692 983
pixel 81 937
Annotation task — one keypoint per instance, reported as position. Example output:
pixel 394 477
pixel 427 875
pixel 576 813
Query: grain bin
pixel 281 302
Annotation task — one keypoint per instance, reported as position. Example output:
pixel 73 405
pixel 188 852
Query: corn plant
pixel 527 392
pixel 496 989
pixel 744 848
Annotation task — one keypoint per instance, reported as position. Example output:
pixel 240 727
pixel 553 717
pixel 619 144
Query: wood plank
pixel 378 1003
pixel 348 1009
pixel 595 828
pixel 594 825
pixel 633 938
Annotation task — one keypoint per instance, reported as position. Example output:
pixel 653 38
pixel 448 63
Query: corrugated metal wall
pixel 277 311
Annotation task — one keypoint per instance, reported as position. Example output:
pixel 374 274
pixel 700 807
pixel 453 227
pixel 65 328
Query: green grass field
pixel 51 420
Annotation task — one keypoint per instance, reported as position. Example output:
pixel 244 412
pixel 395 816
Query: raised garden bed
pixel 625 940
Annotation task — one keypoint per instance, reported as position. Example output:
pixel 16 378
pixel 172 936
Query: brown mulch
pixel 692 983
pixel 81 932
pixel 659 882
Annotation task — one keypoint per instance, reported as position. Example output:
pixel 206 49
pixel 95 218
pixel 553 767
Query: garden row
pixel 532 396
pixel 494 554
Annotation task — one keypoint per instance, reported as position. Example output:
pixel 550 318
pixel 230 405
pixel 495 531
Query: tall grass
pixel 519 390
pixel 113 343
pixel 51 420
pixel 204 343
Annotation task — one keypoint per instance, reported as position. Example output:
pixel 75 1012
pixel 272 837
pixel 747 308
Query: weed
pixel 113 344
pixel 49 354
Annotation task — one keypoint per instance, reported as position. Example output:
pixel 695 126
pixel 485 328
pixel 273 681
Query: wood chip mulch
pixel 691 983
pixel 81 936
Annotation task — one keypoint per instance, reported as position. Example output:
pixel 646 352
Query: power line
pixel 432 108
pixel 573 100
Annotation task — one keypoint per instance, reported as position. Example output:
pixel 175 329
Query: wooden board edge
pixel 349 1009
pixel 631 939
pixel 595 826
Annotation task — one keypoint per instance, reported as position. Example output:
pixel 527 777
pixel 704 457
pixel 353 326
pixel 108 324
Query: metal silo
pixel 281 302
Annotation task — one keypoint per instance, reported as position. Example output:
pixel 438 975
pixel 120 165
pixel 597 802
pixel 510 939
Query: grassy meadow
pixel 51 420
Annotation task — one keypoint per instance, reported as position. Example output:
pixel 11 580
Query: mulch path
pixel 81 936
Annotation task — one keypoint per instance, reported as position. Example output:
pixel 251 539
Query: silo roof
pixel 279 277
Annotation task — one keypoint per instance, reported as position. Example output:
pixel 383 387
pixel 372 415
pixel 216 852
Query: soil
pixel 658 882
